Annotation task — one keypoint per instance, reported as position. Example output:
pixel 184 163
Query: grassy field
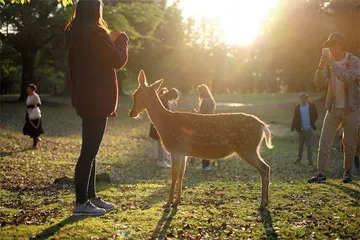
pixel 220 204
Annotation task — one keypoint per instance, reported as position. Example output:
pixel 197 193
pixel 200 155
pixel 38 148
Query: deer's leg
pixel 175 169
pixel 255 160
pixel 180 181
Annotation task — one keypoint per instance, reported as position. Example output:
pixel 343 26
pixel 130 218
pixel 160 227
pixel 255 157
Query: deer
pixel 211 136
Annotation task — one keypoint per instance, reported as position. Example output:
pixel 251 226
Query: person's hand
pixel 325 61
pixel 194 111
pixel 121 38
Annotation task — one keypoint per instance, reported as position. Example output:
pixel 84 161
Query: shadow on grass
pixel 268 225
pixel 9 154
pixel 355 194
pixel 164 223
pixel 50 231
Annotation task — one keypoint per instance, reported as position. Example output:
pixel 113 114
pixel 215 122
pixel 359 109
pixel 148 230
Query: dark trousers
pixel 92 134
pixel 205 163
pixel 305 137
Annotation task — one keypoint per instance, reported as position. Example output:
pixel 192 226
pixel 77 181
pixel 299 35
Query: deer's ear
pixel 142 78
pixel 156 85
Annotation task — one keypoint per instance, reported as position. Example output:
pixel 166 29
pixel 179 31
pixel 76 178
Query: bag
pixel 35 113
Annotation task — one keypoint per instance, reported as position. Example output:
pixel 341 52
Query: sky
pixel 239 20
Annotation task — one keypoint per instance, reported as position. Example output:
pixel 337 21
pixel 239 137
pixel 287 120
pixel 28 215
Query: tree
pixel 28 29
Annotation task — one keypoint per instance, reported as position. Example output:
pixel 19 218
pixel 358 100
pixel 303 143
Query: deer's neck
pixel 156 111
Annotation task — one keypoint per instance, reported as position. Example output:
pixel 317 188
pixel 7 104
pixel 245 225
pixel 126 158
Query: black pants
pixel 92 134
pixel 205 163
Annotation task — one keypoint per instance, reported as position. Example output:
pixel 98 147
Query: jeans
pixel 92 134
pixel 305 137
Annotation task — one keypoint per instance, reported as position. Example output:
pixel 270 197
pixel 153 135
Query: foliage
pixel 218 204
pixel 185 52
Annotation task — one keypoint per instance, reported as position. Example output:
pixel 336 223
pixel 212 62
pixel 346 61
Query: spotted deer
pixel 213 136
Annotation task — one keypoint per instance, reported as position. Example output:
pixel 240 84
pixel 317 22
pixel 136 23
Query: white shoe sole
pixel 88 214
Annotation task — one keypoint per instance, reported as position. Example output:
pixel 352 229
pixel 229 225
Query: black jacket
pixel 296 122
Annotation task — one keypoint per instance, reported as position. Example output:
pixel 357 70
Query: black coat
pixel 296 122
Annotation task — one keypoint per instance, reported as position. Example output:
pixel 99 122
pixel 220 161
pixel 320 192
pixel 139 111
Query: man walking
pixel 305 116
pixel 340 72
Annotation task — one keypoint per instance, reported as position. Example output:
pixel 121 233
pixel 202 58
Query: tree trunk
pixel 27 77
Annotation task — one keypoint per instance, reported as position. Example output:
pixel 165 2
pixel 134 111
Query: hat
pixel 335 38
pixel 304 95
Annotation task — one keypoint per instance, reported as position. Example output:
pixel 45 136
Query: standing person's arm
pixel 350 74
pixel 37 100
pixel 322 77
pixel 115 55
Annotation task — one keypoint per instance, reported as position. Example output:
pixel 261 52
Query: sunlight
pixel 239 21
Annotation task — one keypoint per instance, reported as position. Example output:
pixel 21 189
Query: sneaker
pixel 98 202
pixel 347 178
pixel 162 164
pixel 318 179
pixel 87 209
pixel 208 168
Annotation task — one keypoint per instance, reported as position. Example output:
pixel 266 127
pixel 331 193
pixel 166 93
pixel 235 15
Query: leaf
pixel 2 1
pixel 65 2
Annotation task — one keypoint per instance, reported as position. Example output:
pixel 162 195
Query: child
pixel 169 99
pixel 33 125
pixel 305 116
pixel 207 105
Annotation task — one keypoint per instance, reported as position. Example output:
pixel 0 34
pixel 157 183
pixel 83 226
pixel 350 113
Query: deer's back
pixel 224 131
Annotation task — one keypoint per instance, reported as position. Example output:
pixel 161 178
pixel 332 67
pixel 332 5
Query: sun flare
pixel 239 21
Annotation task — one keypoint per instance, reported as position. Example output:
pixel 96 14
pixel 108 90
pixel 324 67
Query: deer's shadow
pixel 164 223
pixel 268 225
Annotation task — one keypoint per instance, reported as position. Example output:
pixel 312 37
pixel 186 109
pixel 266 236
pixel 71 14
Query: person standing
pixel 160 155
pixel 340 72
pixel 207 105
pixel 305 116
pixel 93 57
pixel 33 125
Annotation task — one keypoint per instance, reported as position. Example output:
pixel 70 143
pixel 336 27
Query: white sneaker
pixel 88 209
pixel 98 202
pixel 162 164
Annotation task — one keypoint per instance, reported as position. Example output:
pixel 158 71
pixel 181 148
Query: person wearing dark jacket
pixel 159 153
pixel 305 116
pixel 94 56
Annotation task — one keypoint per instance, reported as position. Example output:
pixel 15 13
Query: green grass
pixel 220 204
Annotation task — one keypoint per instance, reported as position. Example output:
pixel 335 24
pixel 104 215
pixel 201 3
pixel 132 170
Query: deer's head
pixel 142 94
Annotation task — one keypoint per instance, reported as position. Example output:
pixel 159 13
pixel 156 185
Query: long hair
pixel 204 93
pixel 88 13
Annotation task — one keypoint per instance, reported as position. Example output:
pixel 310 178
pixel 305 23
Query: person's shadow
pixel 164 223
pixel 268 225
pixel 355 194
pixel 9 154
pixel 50 231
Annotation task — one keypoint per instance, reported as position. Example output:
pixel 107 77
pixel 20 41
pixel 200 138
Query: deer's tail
pixel 267 135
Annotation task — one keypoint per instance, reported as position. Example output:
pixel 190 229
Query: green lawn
pixel 220 204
